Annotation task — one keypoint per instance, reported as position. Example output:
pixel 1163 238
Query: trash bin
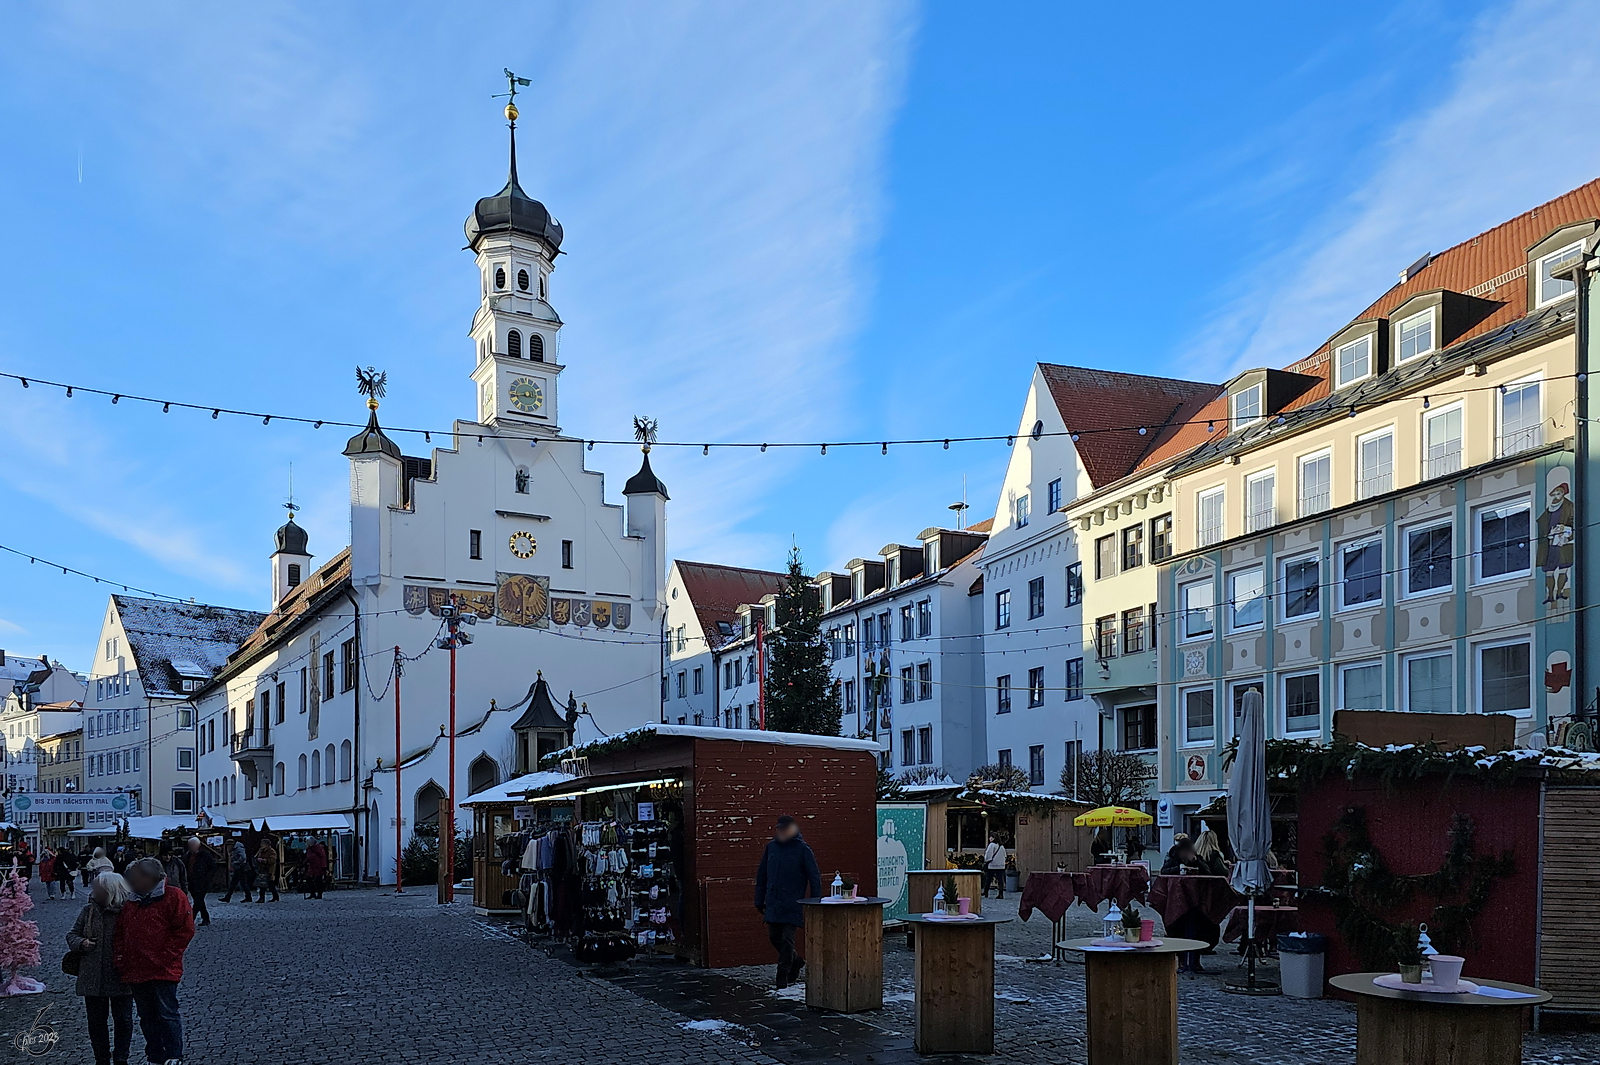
pixel 1012 880
pixel 1300 963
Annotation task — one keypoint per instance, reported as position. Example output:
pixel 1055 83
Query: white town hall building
pixel 299 728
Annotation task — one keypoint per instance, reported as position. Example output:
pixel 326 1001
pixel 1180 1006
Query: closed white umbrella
pixel 1250 822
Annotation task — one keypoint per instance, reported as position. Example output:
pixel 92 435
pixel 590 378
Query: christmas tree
pixel 19 939
pixel 801 695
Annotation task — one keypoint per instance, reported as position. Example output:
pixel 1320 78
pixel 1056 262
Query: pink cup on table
pixel 1446 970
pixel 1147 930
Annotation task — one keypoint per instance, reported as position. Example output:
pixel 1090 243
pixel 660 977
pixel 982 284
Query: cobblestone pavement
pixel 366 977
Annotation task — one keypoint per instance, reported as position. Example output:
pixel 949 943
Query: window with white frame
pixel 1353 362
pixel 1245 407
pixel 1302 702
pixel 1429 683
pixel 1553 288
pixel 1199 717
pixel 1236 693
pixel 1414 335
pixel 1105 557
pixel 1361 572
pixel 1505 679
pixel 1246 599
pixel 1429 563
pixel 1260 504
pixel 1316 483
pixel 1302 590
pixel 1021 515
pixel 1521 417
pixel 1361 686
pixel 1375 464
pixel 1503 548
pixel 1441 442
pixel 1199 609
pixel 1210 522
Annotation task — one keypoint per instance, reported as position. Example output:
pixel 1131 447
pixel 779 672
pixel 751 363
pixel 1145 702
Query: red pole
pixel 761 674
pixel 449 830
pixel 399 803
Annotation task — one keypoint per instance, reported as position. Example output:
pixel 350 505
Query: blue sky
pixel 830 220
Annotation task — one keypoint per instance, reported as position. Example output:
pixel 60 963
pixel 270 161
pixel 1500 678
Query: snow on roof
pixel 162 634
pixel 183 667
pixel 713 732
pixel 20 667
pixel 517 787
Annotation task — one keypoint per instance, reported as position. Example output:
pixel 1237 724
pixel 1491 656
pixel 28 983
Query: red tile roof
pixel 1485 258
pixel 717 592
pixel 1101 399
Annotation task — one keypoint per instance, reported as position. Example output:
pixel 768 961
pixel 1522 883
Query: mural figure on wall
pixel 1556 536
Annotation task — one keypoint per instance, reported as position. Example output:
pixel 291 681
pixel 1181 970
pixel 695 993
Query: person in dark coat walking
pixel 787 874
pixel 316 869
pixel 153 931
pixel 66 872
pixel 243 875
pixel 201 867
pixel 108 1001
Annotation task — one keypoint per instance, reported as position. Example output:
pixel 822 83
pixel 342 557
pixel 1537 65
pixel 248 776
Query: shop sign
pixel 117 802
pixel 1194 768
pixel 522 813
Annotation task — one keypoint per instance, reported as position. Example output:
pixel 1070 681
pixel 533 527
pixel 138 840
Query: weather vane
pixel 289 504
pixel 644 431
pixel 512 81
pixel 371 383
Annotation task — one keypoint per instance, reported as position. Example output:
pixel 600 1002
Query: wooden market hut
pixel 1036 826
pixel 725 788
pixel 497 812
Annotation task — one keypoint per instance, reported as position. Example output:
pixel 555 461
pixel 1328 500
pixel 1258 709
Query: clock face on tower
pixel 526 394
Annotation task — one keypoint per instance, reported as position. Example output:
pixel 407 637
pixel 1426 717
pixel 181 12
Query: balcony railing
pixel 256 739
pixel 1375 484
pixel 1314 501
pixel 1442 460
pixel 1521 439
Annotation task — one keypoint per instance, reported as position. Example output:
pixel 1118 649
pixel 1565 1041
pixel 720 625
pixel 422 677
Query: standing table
pixel 955 984
pixel 1133 1001
pixel 1420 1028
pixel 1051 894
pixel 924 882
pixel 844 954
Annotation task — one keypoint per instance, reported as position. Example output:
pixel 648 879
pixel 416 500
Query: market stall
pixel 504 822
pixel 1036 828
pixel 670 824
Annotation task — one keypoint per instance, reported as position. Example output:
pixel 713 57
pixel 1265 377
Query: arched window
pixel 522 280
pixel 300 774
pixel 514 344
pixel 327 765
pixel 427 804
pixel 316 769
pixel 499 277
pixel 277 778
pixel 294 574
pixel 483 773
pixel 536 347
pixel 345 770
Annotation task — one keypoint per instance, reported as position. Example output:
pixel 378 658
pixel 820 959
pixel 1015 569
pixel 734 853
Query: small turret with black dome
pixel 291 559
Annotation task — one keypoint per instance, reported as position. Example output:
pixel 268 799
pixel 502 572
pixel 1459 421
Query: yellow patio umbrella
pixel 1112 815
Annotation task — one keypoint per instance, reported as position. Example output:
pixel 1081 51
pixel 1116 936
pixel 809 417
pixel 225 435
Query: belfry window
pixel 536 347
pixel 514 344
pixel 294 574
pixel 499 277
pixel 522 280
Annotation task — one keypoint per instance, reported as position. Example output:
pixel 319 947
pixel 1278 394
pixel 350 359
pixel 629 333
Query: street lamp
pixel 454 638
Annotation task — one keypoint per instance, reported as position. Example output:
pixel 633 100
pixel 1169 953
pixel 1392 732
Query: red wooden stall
pixel 733 784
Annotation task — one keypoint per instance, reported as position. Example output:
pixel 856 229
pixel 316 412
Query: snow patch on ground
pixel 1010 995
pixel 792 993
pixel 712 1026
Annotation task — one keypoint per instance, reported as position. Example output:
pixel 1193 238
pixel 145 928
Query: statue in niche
pixel 522 480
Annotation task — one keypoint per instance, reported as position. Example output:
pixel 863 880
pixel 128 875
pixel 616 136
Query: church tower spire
pixel 515 331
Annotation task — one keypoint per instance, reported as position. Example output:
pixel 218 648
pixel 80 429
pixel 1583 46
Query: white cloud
pixel 1512 130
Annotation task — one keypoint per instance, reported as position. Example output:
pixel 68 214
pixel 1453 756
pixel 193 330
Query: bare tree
pixel 1109 778
pixel 997 777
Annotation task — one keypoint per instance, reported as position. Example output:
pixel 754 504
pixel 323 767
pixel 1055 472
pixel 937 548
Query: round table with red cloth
pixel 1049 893
pixel 1174 896
pixel 1119 882
pixel 1270 920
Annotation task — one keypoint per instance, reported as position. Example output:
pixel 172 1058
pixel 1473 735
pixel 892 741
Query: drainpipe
pixel 1580 274
pixel 364 824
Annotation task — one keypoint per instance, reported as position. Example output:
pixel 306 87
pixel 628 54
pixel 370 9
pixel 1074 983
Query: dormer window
pixel 1551 288
pixel 1244 407
pixel 1414 335
pixel 1353 362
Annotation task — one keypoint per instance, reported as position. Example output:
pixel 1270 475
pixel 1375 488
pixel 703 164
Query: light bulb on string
pixel 24 381
pixel 214 414
pixel 166 408
pixel 114 400
pixel 763 449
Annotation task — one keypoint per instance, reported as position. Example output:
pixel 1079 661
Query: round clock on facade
pixel 526 394
pixel 523 545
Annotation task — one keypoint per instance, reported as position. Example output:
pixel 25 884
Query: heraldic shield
pixel 621 615
pixel 522 599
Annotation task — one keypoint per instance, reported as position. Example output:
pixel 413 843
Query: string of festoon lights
pixel 1212 424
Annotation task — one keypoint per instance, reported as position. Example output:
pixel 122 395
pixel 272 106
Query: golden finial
pixel 511 112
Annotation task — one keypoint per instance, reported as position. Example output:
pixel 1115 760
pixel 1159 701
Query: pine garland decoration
pixel 1363 889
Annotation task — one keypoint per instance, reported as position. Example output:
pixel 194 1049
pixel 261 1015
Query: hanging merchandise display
pixel 654 883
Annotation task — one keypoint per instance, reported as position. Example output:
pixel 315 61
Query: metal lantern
pixel 1113 921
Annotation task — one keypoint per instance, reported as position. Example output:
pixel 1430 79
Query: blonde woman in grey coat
pixel 105 996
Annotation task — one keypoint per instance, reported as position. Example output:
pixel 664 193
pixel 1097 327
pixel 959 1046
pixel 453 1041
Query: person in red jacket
pixel 153 930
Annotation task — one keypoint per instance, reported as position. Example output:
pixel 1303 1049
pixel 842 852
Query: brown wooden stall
pixel 733 785
pixel 494 815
